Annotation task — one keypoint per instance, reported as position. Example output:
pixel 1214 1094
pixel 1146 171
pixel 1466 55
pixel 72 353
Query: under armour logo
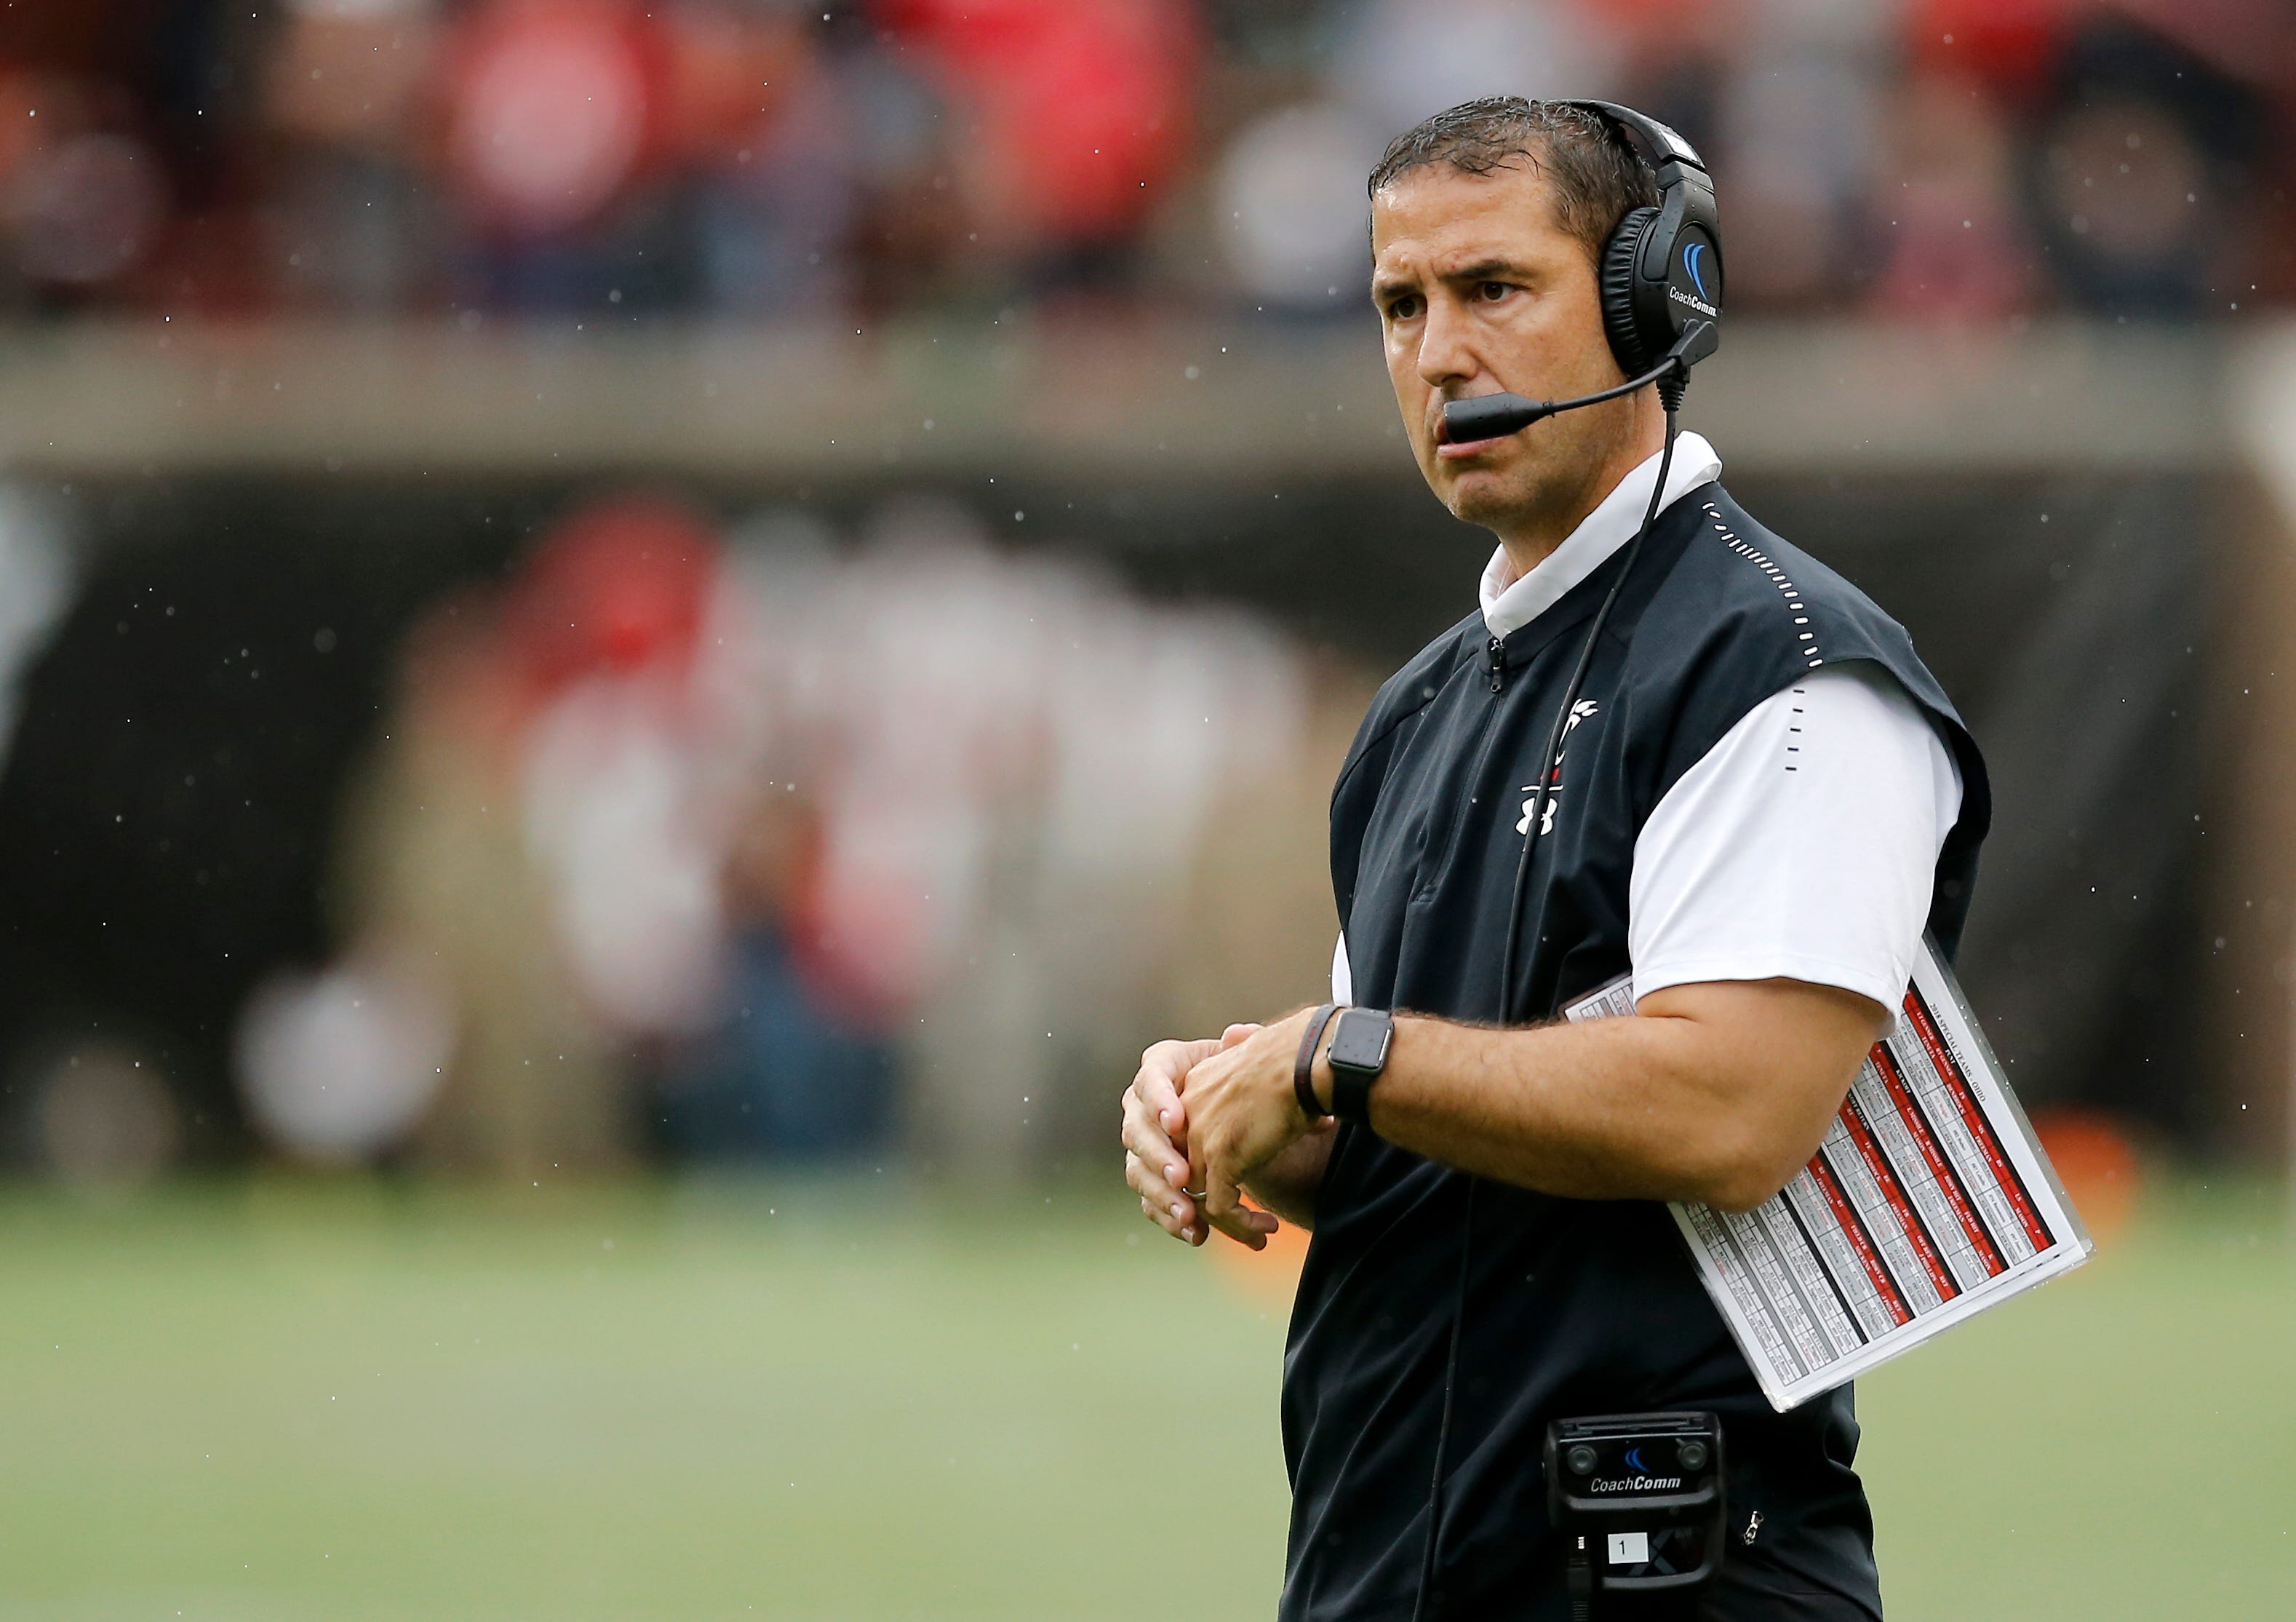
pixel 1547 822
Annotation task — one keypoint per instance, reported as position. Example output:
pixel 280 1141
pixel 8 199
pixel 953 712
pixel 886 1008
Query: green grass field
pixel 808 1400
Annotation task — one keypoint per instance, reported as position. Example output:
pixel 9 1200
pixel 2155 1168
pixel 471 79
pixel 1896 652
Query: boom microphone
pixel 1491 417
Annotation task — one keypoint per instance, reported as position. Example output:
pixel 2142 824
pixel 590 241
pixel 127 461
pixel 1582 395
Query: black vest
pixel 1573 1307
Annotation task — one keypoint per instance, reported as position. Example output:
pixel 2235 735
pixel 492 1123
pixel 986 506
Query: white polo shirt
pixel 1742 871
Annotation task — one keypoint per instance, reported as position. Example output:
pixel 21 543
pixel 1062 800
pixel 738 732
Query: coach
pixel 1762 801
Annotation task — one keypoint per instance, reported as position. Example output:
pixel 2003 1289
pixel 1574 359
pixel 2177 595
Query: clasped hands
pixel 1203 1116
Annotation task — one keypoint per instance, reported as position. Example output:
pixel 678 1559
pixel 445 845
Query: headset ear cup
pixel 1617 285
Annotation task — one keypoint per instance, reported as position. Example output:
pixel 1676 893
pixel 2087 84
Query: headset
pixel 1659 275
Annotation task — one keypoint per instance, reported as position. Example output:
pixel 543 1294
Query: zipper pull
pixel 1497 650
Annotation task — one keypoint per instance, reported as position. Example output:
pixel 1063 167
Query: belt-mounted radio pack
pixel 1637 1499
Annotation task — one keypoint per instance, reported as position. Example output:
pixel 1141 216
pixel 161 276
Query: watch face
pixel 1360 1043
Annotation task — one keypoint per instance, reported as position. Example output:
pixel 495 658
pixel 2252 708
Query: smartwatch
pixel 1358 1053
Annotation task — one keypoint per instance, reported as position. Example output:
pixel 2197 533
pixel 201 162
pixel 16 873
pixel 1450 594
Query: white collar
pixel 1603 531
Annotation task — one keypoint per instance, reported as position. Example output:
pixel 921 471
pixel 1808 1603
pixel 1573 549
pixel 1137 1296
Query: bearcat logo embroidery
pixel 1583 710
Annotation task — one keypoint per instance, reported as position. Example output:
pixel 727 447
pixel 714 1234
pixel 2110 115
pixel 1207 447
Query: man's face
pixel 1480 292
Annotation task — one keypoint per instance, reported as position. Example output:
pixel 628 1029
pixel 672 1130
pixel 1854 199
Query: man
pixel 1762 802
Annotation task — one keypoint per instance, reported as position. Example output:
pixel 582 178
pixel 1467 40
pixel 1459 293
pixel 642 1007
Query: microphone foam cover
pixel 1487 417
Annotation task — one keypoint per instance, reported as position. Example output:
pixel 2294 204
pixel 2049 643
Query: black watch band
pixel 1358 1054
pixel 1303 1067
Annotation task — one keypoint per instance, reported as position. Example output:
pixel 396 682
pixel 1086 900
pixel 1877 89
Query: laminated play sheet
pixel 1928 1201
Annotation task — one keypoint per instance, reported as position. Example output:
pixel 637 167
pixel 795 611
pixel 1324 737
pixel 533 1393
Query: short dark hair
pixel 1592 177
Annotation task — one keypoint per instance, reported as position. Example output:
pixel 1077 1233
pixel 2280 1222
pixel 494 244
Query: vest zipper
pixel 1436 860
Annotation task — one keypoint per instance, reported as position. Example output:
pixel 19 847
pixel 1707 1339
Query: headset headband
pixel 1657 144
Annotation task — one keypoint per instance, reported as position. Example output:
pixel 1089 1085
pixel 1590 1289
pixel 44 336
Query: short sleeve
pixel 1802 845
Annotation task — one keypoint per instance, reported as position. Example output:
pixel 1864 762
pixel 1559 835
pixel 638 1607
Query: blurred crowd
pixel 772 843
pixel 664 838
pixel 783 159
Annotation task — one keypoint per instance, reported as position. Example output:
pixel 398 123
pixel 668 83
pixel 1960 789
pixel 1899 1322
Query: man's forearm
pixel 1656 1108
